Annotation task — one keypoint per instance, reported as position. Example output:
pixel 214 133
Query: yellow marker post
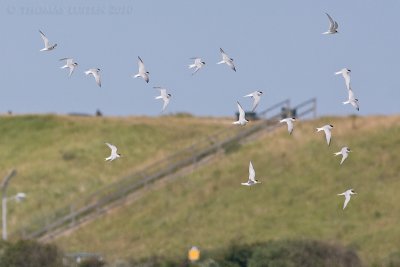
pixel 194 254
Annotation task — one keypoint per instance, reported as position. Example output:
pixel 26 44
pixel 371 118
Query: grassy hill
pixel 61 158
pixel 297 198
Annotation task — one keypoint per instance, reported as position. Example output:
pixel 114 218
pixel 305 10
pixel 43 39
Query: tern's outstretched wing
pixel 328 135
pixel 346 201
pixel 252 173
pixel 142 69
pixel 241 112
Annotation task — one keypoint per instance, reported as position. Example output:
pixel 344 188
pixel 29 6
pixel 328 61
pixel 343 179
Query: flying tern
pixel 333 25
pixel 346 75
pixel 344 152
pixel 96 75
pixel 289 122
pixel 142 71
pixel 69 64
pixel 198 64
pixel 252 177
pixel 256 95
pixel 47 45
pixel 347 194
pixel 114 154
pixel 164 96
pixel 227 60
pixel 242 120
pixel 352 100
pixel 327 129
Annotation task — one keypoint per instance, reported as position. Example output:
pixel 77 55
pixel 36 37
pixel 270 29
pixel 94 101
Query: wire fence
pixel 68 215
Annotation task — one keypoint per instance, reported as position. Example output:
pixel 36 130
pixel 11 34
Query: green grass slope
pixel 60 159
pixel 297 198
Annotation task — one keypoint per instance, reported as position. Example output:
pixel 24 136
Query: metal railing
pixel 306 107
pixel 75 212
pixel 283 104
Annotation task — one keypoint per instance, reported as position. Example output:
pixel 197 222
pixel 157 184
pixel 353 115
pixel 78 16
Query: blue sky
pixel 277 46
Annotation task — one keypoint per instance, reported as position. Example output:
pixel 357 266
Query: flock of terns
pixel 289 121
pixel 256 96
